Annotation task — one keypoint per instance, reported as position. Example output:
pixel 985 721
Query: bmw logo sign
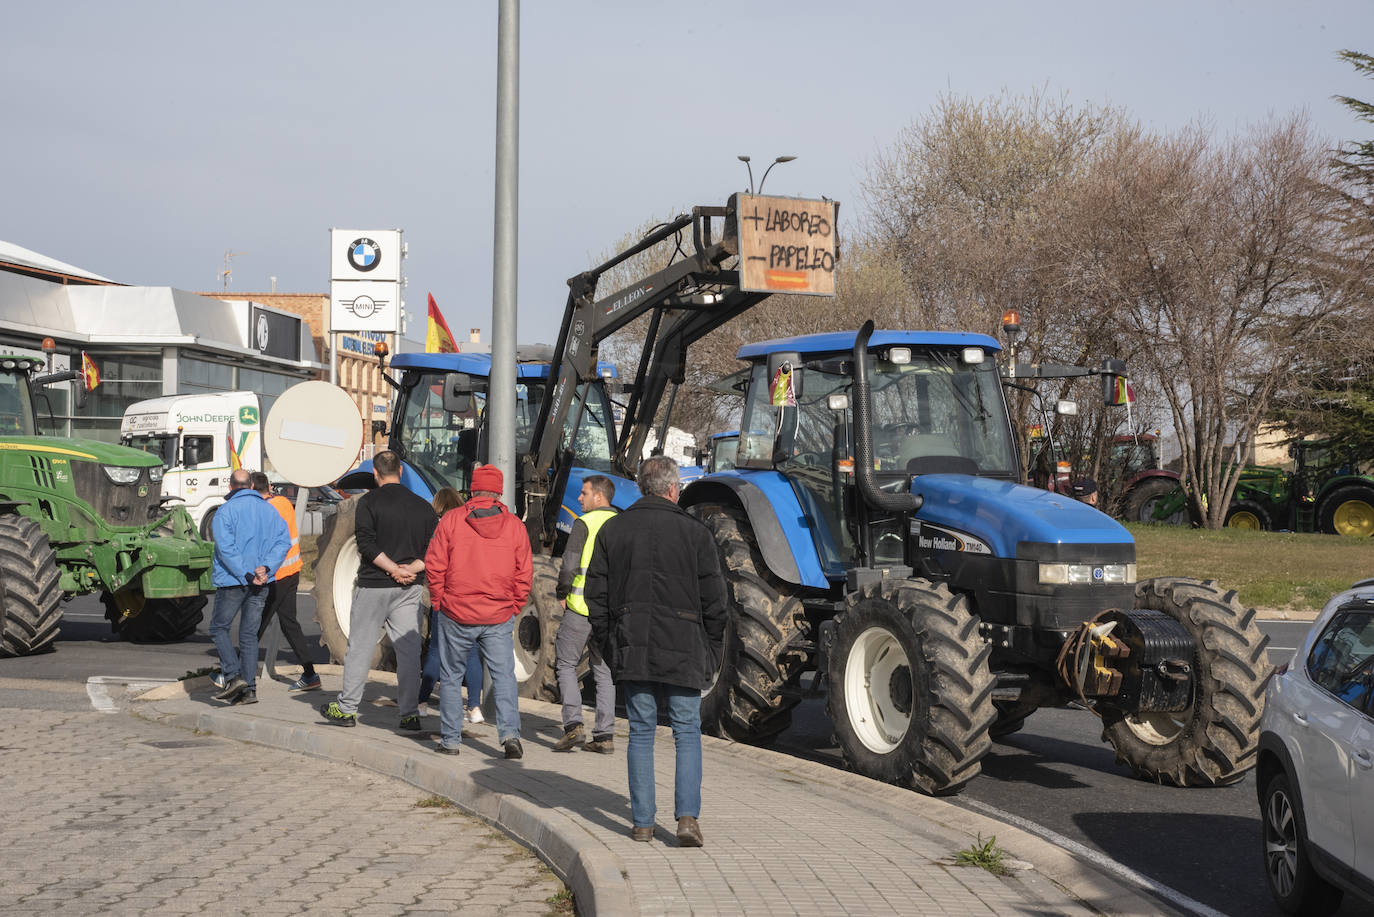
pixel 364 255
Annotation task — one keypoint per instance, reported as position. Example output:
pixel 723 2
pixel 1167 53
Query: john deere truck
pixel 200 439
pixel 79 516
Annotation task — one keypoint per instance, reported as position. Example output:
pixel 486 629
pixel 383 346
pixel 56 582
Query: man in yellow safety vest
pixel 573 633
pixel 281 593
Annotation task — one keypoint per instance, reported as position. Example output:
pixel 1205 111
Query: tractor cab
pixel 937 408
pixel 439 422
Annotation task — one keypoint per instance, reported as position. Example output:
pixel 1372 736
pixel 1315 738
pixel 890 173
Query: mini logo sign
pixel 363 306
pixel 248 415
pixel 364 255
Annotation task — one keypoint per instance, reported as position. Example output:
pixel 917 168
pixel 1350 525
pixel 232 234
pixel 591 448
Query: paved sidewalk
pixel 112 814
pixel 783 836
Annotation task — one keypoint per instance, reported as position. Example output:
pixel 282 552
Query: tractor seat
pixel 933 453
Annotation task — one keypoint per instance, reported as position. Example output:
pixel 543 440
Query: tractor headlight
pixel 122 475
pixel 1078 574
pixel 155 474
pixel 1054 574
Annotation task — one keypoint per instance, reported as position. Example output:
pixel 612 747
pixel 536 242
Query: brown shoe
pixel 642 834
pixel 604 745
pixel 689 832
pixel 572 737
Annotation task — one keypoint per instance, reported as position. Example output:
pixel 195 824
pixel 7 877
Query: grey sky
pixel 144 140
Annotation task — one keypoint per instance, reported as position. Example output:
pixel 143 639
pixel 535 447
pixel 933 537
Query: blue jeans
pixel 684 714
pixel 230 601
pixel 472 676
pixel 496 643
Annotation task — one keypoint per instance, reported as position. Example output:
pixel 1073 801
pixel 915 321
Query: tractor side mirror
pixel 1115 389
pixel 458 389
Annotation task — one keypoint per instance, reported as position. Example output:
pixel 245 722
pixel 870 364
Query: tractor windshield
pixel 16 407
pixel 445 447
pixel 935 410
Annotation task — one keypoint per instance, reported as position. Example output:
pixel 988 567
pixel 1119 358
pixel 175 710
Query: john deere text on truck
pixel 199 440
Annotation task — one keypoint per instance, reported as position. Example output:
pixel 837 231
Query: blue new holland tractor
pixel 876 529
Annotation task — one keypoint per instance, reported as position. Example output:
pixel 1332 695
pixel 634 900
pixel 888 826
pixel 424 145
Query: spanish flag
pixel 438 339
pixel 89 372
pixel 235 463
pixel 1124 393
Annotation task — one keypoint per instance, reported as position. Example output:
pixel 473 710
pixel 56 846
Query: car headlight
pixel 155 474
pixel 122 475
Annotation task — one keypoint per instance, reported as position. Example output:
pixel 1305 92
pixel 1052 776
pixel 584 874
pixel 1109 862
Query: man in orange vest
pixel 281 592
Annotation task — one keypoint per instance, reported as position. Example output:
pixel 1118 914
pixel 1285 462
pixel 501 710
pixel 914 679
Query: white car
pixel 1316 762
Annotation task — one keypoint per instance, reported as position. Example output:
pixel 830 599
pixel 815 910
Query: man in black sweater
pixel 657 606
pixel 393 527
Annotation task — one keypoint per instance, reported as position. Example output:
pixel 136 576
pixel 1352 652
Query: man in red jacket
pixel 480 568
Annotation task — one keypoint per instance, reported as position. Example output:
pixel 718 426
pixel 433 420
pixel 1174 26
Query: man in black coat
pixel 656 602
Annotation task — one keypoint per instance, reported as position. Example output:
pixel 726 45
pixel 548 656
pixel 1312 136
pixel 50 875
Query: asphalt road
pixel 1055 777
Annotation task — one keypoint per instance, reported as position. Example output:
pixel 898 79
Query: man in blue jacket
pixel 251 541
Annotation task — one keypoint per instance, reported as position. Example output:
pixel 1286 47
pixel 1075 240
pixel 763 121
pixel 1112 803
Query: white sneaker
pixel 474 715
pixel 423 710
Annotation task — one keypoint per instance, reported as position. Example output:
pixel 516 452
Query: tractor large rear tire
pixel 1142 499
pixel 336 574
pixel 1349 511
pixel 536 628
pixel 1214 741
pixel 756 684
pixel 910 688
pixel 159 621
pixel 30 600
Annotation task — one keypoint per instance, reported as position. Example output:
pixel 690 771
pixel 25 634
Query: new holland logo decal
pixel 937 538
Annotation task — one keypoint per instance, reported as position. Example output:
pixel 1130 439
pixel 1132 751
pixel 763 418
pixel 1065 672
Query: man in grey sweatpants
pixel 393 527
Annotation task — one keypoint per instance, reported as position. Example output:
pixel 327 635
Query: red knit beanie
pixel 488 478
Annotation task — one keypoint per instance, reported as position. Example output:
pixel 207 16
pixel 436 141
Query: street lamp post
pixel 745 160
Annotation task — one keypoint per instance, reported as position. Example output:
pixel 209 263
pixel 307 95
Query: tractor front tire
pixel 159 620
pixel 1214 741
pixel 1349 511
pixel 910 688
pixel 1248 515
pixel 30 600
pixel 756 685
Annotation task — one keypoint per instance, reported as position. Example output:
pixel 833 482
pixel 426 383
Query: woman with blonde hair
pixel 446 499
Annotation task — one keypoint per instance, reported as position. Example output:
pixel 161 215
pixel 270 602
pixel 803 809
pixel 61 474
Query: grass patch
pixel 561 904
pixel 435 802
pixel 1269 569
pixel 985 855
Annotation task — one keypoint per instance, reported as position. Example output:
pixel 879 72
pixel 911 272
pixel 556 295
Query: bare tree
pixel 1220 258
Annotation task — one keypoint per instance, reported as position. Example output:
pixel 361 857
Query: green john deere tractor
pixel 79 516
pixel 1325 492
pixel 1329 490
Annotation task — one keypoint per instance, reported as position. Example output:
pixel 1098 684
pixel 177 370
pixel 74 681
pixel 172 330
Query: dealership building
pixel 146 341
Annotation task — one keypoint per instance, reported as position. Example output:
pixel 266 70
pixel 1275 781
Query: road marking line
pixel 98 691
pixel 1101 860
